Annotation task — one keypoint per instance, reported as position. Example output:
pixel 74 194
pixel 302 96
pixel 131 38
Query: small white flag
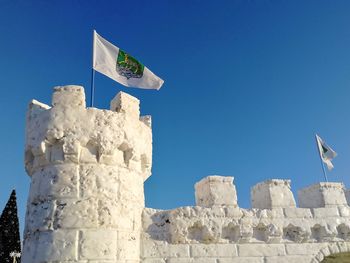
pixel 121 67
pixel 327 153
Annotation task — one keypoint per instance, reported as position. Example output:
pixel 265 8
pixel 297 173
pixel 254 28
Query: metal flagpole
pixel 92 87
pixel 322 164
pixel 93 71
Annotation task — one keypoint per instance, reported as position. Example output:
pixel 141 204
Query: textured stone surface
pixel 322 195
pixel 271 194
pixel 227 233
pixel 216 190
pixel 87 168
pixel 86 200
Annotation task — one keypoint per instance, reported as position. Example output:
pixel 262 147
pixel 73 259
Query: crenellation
pixel 86 202
pixel 326 194
pixel 229 224
pixel 272 193
pixel 125 103
pixel 83 162
pixel 216 190
pixel 69 96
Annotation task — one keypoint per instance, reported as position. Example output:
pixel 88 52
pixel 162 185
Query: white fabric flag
pixel 326 152
pixel 121 67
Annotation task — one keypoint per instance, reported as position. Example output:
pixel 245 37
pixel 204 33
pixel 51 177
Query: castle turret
pixel 87 169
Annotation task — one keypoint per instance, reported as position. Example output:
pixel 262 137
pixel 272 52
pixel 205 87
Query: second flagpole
pixel 322 164
pixel 92 87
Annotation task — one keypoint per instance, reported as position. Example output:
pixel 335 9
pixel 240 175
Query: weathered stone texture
pixel 216 190
pixel 271 194
pixel 86 200
pixel 322 195
pixel 87 167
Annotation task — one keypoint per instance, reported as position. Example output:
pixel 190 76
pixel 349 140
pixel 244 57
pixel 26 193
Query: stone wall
pixel 274 230
pixel 86 199
pixel 87 168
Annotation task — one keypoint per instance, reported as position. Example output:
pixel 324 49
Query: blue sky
pixel 247 84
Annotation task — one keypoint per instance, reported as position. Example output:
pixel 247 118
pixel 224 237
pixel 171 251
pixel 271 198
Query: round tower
pixel 87 169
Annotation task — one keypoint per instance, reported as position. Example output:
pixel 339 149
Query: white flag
pixel 327 153
pixel 121 67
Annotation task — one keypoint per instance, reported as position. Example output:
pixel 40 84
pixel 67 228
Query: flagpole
pixel 322 164
pixel 92 87
pixel 93 71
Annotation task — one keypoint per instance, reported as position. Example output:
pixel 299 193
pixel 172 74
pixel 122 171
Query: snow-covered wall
pixel 87 169
pixel 274 230
pixel 86 201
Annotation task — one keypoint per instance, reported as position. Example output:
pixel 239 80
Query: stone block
pixel 98 244
pixel 323 212
pixel 233 211
pixel 40 216
pixel 68 96
pixel 133 181
pixel 289 259
pixel 213 250
pixel 272 194
pixel 261 250
pixel 59 181
pixel 242 260
pixel 178 250
pixel 294 212
pixel 99 181
pixel 154 249
pixel 128 245
pixel 324 194
pixel 112 213
pixel 76 213
pixel 304 248
pixel 153 260
pixel 216 190
pixel 59 245
pixel 127 104
pixel 191 260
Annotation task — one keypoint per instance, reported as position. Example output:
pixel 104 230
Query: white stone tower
pixel 87 169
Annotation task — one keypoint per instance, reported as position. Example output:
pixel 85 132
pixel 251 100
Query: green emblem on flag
pixel 128 66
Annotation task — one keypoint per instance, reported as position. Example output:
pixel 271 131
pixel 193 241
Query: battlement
pixel 70 132
pixel 87 169
pixel 274 217
pixel 86 201
pixel 273 230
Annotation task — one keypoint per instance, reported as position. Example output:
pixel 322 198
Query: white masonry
pixel 86 200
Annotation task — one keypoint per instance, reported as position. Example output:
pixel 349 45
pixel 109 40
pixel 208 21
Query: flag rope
pixel 322 164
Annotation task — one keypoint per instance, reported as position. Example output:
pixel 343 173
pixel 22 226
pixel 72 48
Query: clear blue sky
pixel 247 84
